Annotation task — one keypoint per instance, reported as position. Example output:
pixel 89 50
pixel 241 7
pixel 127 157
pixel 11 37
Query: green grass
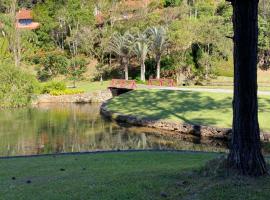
pixel 88 86
pixel 200 108
pixel 121 176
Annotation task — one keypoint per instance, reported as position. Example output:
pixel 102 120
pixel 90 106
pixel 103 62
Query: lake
pixel 62 128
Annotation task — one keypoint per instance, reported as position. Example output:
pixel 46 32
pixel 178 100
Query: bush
pixel 48 87
pixel 16 87
pixel 56 88
pixel 172 3
pixel 66 92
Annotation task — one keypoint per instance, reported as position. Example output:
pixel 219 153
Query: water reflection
pixel 55 128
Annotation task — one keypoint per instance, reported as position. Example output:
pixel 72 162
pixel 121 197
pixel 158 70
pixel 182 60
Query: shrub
pixel 16 87
pixel 48 87
pixel 172 3
pixel 66 92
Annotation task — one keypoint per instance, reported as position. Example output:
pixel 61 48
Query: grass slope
pixel 138 176
pixel 88 86
pixel 201 108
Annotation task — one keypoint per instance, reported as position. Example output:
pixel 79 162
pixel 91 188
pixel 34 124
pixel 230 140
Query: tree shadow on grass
pixel 173 105
pixel 194 108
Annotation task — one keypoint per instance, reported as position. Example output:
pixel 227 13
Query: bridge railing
pixel 161 82
pixel 122 83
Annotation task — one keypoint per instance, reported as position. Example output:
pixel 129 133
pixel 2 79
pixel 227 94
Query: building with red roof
pixel 24 20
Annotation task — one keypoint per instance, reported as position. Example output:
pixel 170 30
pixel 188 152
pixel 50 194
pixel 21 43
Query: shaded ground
pixel 202 108
pixel 137 175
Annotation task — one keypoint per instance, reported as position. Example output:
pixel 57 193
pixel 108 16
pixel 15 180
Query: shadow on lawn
pixel 161 104
pixel 153 103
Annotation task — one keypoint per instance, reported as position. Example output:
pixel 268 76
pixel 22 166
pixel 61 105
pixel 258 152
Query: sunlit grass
pixel 202 108
pixel 89 86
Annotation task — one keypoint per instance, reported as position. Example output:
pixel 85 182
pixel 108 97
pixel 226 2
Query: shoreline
pixel 99 96
pixel 176 127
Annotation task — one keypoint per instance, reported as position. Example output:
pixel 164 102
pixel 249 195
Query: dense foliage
pixel 73 33
pixel 16 86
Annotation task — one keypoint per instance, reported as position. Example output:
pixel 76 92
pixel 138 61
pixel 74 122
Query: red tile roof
pixel 24 14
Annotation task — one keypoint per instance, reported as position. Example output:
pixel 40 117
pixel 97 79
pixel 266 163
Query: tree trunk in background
pixel 158 60
pixel 126 71
pixel 15 38
pixel 245 153
pixel 142 71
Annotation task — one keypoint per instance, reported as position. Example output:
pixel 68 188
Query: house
pixel 24 20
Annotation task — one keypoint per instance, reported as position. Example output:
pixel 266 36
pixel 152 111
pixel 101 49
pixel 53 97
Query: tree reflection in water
pixel 55 128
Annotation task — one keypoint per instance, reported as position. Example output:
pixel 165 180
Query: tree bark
pixel 126 71
pixel 142 71
pixel 158 60
pixel 245 153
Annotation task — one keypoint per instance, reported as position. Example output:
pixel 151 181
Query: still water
pixel 59 128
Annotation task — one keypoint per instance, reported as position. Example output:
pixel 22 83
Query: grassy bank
pixel 88 86
pixel 138 176
pixel 201 108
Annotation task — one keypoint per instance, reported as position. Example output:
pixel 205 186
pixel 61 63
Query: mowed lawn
pixel 121 176
pixel 88 86
pixel 201 108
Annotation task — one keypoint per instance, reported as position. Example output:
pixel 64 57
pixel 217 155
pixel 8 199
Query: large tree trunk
pixel 245 153
pixel 158 59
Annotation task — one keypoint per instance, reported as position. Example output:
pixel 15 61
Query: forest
pixel 190 41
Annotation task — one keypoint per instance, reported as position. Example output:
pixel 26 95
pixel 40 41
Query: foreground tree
pixel 245 153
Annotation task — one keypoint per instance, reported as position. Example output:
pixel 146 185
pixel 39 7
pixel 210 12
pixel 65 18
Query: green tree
pixel 121 46
pixel 158 36
pixel 140 49
pixel 76 68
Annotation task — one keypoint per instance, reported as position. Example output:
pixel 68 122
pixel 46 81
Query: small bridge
pixel 121 86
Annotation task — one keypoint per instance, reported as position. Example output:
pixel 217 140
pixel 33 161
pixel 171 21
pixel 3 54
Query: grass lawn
pixel 88 86
pixel 200 108
pixel 108 176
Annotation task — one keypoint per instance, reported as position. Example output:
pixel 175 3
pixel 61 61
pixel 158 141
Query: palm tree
pixel 140 49
pixel 159 44
pixel 121 46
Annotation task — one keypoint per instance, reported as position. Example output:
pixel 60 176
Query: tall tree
pixel 245 153
pixel 159 41
pixel 141 48
pixel 16 36
pixel 121 46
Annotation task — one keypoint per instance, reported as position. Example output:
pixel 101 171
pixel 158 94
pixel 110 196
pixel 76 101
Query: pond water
pixel 59 128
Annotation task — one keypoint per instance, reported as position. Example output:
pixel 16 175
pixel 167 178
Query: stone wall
pixel 91 97
pixel 178 127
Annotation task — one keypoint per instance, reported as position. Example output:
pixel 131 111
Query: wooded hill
pixel 197 38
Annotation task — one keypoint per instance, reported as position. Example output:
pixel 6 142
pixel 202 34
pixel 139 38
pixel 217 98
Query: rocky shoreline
pixel 177 127
pixel 90 97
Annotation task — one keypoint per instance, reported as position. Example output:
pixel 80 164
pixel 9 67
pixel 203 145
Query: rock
pixel 28 181
pixel 196 130
pixel 91 97
pixel 13 178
